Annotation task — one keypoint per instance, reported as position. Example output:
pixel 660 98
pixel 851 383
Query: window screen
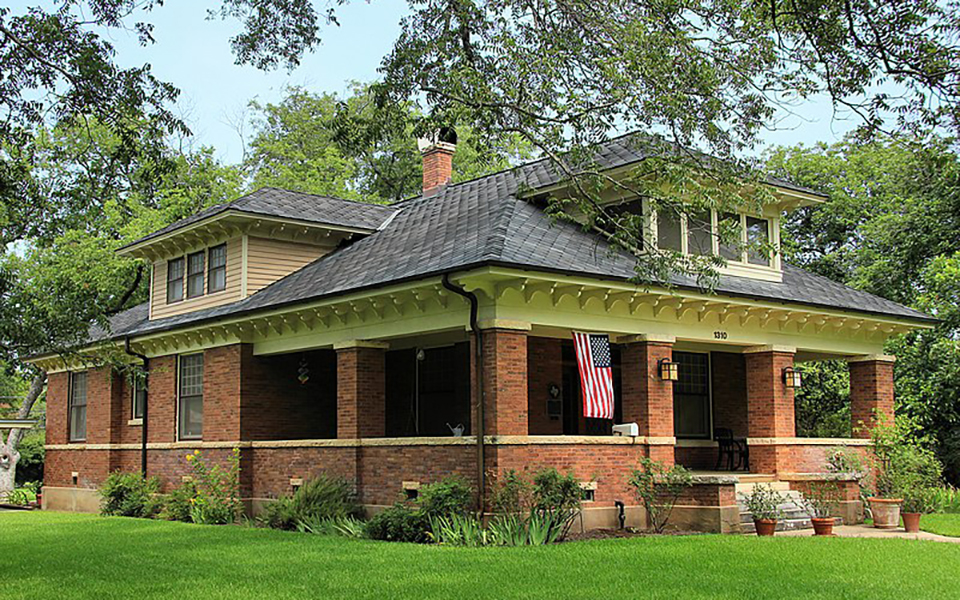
pixel 668 230
pixel 195 275
pixel 191 396
pixel 217 279
pixel 691 395
pixel 78 407
pixel 175 280
pixel 700 234
pixel 730 247
pixel 758 233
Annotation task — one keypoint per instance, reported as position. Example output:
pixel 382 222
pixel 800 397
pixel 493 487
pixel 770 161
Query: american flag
pixel 596 374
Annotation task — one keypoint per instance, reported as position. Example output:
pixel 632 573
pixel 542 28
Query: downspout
pixel 478 358
pixel 146 402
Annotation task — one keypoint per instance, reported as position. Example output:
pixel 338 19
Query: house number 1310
pixel 719 335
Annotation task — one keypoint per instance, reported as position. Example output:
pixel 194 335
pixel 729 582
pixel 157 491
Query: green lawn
pixel 50 555
pixel 944 524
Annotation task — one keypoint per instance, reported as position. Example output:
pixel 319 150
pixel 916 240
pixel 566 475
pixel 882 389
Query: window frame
pixel 135 388
pixel 71 405
pixel 181 397
pixel 211 268
pixel 190 275
pixel 182 279
pixel 743 262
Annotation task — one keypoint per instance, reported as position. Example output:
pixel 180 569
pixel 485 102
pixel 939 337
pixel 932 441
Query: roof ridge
pixel 324 196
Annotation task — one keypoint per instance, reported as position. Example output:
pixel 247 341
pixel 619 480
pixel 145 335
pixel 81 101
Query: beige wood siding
pixel 269 260
pixel 158 299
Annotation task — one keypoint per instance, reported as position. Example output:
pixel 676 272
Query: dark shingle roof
pixel 483 222
pixel 273 202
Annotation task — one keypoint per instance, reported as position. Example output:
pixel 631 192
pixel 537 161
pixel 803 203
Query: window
pixel 668 230
pixel 758 235
pixel 691 395
pixel 730 250
pixel 217 277
pixel 175 280
pixel 137 400
pixel 191 397
pixel 195 274
pixel 78 407
pixel 700 234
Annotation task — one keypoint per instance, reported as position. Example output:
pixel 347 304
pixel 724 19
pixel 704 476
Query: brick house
pixel 394 345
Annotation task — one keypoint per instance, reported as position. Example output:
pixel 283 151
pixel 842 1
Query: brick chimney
pixel 437 152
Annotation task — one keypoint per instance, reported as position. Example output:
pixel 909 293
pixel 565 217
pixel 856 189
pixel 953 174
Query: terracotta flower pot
pixel 765 526
pixel 822 525
pixel 911 522
pixel 886 512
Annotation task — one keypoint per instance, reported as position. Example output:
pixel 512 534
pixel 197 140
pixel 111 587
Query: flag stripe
pixel 596 374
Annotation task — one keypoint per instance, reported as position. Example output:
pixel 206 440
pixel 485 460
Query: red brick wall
pixel 647 399
pixel 770 404
pixel 384 469
pixel 162 403
pixel 58 386
pixel 545 366
pixel 729 387
pixel 361 396
pixel 221 393
pixel 871 391
pixel 505 382
pixel 91 466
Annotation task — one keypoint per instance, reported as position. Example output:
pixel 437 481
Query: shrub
pixel 320 498
pixel 216 499
pixel 555 492
pixel 764 502
pixel 923 499
pixel 129 495
pixel 658 489
pixel 30 465
pixel 448 497
pixel 178 504
pixel 398 524
pixel 512 494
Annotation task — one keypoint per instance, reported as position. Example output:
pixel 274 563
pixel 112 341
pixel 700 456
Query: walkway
pixel 867 531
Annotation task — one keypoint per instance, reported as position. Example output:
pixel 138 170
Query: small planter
pixel 765 527
pixel 822 526
pixel 911 522
pixel 886 512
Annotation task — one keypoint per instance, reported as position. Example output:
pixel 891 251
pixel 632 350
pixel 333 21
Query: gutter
pixel 146 402
pixel 479 393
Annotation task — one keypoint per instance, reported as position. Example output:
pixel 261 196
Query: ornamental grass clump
pixel 322 498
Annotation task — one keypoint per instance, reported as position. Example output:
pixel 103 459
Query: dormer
pixel 231 251
pixel 699 234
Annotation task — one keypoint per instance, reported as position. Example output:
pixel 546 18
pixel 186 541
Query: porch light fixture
pixel 791 377
pixel 668 370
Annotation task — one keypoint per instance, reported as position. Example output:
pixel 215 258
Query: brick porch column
pixel 647 399
pixel 871 391
pixel 361 389
pixel 770 407
pixel 506 407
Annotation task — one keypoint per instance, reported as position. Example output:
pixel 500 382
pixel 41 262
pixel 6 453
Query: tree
pixel 889 228
pixel 354 148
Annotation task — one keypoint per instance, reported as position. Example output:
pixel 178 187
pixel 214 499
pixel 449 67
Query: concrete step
pixel 746 487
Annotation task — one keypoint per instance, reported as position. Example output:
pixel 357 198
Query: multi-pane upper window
pixel 699 234
pixel 199 273
pixel 191 396
pixel 175 280
pixel 78 407
pixel 217 278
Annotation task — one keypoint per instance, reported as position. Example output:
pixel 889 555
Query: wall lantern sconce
pixel 791 377
pixel 668 370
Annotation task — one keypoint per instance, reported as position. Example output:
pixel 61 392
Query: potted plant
pixel 764 505
pixel 820 499
pixel 907 470
pixel 918 500
pixel 888 444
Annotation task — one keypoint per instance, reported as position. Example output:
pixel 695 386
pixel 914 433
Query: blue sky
pixel 194 54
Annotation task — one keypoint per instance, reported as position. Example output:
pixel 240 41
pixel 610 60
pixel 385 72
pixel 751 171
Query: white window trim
pixel 86 403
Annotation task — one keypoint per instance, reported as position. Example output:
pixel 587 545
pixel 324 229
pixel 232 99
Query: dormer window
pixel 758 237
pixel 174 280
pixel 698 234
pixel 195 272
pixel 217 277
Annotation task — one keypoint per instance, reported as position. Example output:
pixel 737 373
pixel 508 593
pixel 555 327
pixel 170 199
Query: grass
pixel 943 524
pixel 55 555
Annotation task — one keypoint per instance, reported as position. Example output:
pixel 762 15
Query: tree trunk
pixel 9 456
